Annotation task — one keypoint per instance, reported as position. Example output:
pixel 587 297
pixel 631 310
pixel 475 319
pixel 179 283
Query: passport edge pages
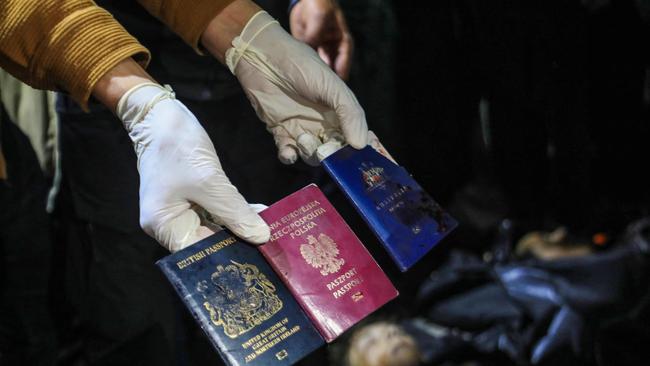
pixel 275 251
pixel 270 325
pixel 373 218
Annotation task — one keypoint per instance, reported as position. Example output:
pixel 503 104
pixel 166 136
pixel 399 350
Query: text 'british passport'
pixel 323 263
pixel 248 314
pixel 406 220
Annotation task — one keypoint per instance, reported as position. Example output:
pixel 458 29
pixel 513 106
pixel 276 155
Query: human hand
pixel 321 24
pixel 302 101
pixel 382 343
pixel 179 169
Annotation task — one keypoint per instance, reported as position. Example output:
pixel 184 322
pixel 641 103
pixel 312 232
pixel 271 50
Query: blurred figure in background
pixel 382 344
pixel 358 40
pixel 27 329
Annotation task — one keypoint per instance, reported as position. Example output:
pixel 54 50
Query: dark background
pixel 536 110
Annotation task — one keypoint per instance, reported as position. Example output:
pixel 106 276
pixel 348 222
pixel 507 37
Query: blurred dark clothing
pixel 543 98
pixel 125 307
pixel 27 335
pixel 373 26
pixel 535 312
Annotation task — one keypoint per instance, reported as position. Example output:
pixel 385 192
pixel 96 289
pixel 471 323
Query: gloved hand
pixel 179 168
pixel 302 101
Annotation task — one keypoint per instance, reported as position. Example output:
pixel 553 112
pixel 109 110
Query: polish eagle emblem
pixel 322 254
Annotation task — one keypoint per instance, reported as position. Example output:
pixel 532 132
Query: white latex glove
pixel 179 169
pixel 331 147
pixel 302 101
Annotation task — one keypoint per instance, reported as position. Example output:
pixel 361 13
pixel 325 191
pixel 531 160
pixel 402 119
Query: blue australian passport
pixel 406 220
pixel 248 314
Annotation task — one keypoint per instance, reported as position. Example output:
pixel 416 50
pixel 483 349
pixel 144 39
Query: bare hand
pixel 321 24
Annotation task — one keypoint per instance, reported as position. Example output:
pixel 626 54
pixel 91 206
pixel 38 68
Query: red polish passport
pixel 323 263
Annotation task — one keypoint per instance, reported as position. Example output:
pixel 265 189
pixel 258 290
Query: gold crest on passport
pixel 238 298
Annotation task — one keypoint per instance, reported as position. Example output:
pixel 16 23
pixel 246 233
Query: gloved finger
pixel 210 226
pixel 328 149
pixel 351 117
pixel 307 146
pixel 258 207
pixel 174 232
pixel 287 149
pixel 332 142
pixel 289 134
pixel 207 221
pixel 336 95
pixel 203 232
pixel 228 208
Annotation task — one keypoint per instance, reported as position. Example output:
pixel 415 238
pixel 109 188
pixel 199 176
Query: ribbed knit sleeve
pixel 63 44
pixel 187 18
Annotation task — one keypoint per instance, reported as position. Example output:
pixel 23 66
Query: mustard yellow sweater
pixel 68 45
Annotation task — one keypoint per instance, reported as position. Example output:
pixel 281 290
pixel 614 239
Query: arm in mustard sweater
pixel 63 44
pixel 77 47
pixel 190 19
pixel 70 44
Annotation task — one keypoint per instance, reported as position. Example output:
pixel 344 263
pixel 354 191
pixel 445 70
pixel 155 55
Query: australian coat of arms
pixel 373 176
pixel 239 297
pixel 322 254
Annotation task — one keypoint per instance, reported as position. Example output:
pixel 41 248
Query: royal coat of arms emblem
pixel 238 298
pixel 322 254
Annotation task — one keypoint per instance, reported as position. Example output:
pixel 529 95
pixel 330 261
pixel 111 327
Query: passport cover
pixel 248 314
pixel 325 266
pixel 406 220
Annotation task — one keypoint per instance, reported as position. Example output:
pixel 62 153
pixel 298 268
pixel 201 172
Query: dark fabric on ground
pixel 534 312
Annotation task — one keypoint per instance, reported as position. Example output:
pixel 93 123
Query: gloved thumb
pixel 228 208
pixel 176 232
pixel 351 116
pixel 307 147
pixel 287 149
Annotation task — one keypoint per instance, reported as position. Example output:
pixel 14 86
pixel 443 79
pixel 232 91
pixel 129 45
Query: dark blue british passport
pixel 243 307
pixel 405 219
